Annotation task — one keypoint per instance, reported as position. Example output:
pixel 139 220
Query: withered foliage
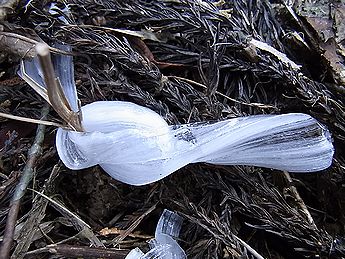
pixel 189 61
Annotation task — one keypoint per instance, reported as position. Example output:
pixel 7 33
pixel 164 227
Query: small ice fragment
pixel 166 247
pixel 168 228
pixel 163 246
pixel 169 223
pixel 55 10
pixel 135 253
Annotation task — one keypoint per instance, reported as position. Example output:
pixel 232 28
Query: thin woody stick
pixel 29 120
pixel 21 187
pixel 81 251
pixel 30 42
pixel 299 200
pixel 55 92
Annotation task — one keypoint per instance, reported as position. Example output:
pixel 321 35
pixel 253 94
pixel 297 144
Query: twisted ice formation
pixel 135 145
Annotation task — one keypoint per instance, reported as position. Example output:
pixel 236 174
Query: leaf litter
pixel 151 53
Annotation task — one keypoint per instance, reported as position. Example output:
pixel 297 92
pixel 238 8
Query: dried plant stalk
pixel 55 92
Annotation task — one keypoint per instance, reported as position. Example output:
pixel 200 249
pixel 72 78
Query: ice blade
pixel 64 69
pixel 31 72
pixel 290 142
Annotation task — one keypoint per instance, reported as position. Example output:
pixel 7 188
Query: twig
pixel 258 105
pixel 35 216
pixel 249 248
pixel 143 35
pixel 68 239
pixel 31 43
pixel 57 204
pixel 299 200
pixel 130 229
pixel 115 231
pixel 82 251
pixel 29 120
pixel 33 155
pixel 78 223
pixel 281 56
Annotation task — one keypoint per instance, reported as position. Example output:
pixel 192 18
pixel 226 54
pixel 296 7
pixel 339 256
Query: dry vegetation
pixel 189 61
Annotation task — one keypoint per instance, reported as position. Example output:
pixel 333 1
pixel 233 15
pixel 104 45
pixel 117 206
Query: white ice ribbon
pixel 135 145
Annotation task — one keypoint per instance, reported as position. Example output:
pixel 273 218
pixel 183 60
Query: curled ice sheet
pixel 135 145
pixel 163 246
pixel 168 228
pixel 64 70
pixel 170 223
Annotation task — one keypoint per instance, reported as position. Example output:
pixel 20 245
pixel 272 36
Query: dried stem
pixel 249 248
pixel 299 200
pixel 77 222
pixel 26 178
pixel 32 224
pixel 21 45
pixel 24 119
pixel 133 226
pixel 81 251
pixel 55 92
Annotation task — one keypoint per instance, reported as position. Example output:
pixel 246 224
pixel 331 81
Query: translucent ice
pixel 164 245
pixel 31 72
pixel 136 146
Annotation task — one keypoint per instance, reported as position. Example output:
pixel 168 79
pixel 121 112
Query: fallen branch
pixel 81 251
pixel 29 120
pixel 26 178
pixel 76 221
pixel 35 217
